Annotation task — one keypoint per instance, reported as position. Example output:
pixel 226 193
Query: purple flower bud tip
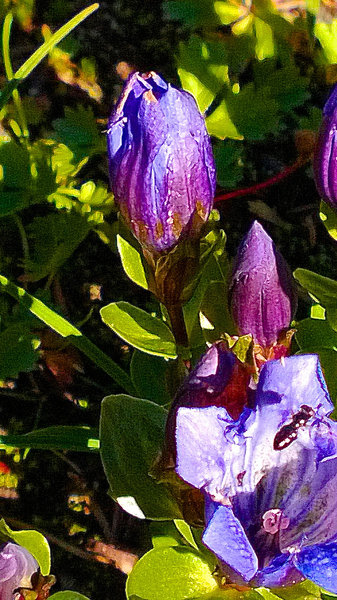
pixel 17 566
pixel 161 162
pixel 325 157
pixel 262 295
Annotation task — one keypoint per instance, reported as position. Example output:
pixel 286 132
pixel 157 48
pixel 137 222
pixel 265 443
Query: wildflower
pixel 325 157
pixel 17 566
pixel 219 379
pixel 269 478
pixel 262 297
pixel 161 163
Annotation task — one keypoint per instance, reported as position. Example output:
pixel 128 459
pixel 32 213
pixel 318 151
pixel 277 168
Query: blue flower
pixel 161 162
pixel 269 478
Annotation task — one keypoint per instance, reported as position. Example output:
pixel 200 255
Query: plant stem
pixel 176 315
pixel 253 189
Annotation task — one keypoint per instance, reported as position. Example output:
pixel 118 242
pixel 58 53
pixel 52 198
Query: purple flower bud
pixel 17 566
pixel 262 296
pixel 161 163
pixel 325 157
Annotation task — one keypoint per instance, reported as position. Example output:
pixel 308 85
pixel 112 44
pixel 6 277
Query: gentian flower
pixel 262 297
pixel 269 478
pixel 325 157
pixel 17 566
pixel 218 379
pixel 161 163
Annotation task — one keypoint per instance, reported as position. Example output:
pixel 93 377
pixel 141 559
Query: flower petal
pixel 225 536
pixel 280 572
pixel 319 563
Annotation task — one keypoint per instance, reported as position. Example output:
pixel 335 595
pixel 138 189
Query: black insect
pixel 288 433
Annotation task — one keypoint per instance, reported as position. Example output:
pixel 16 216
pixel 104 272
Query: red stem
pixel 264 184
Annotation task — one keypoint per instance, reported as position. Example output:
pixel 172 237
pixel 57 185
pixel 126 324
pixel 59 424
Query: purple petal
pixel 201 448
pixel 286 385
pixel 319 563
pixel 25 566
pixel 225 536
pixel 262 295
pixel 161 163
pixel 280 572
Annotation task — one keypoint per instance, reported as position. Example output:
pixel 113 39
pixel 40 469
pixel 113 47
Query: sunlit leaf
pixel 132 434
pixel 140 329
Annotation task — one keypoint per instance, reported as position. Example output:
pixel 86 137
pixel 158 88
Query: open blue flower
pixel 269 478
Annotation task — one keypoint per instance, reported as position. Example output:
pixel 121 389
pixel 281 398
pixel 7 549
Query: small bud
pixel 325 157
pixel 161 163
pixel 262 297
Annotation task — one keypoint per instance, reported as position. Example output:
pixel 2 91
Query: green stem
pixel 178 326
pixel 69 331
pixel 6 31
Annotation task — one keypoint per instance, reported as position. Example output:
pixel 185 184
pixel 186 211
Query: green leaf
pixel 78 130
pixel 220 124
pixel 68 595
pixel 61 437
pixel 192 12
pixel 42 51
pixel 132 262
pixel 329 218
pixel 306 590
pixel 213 266
pixel 164 533
pixel 55 237
pixel 149 375
pixel 215 317
pixel 326 33
pixel 323 289
pixel 66 329
pixel 32 540
pixel 185 530
pixel 175 573
pixel 316 335
pixel 132 434
pixel 18 351
pixel 139 329
pixel 229 164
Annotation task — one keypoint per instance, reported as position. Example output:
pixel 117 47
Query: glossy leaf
pixel 186 532
pixel 132 262
pixel 32 540
pixel 132 435
pixel 323 289
pixel 149 375
pixel 175 573
pixel 62 437
pixel 139 329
